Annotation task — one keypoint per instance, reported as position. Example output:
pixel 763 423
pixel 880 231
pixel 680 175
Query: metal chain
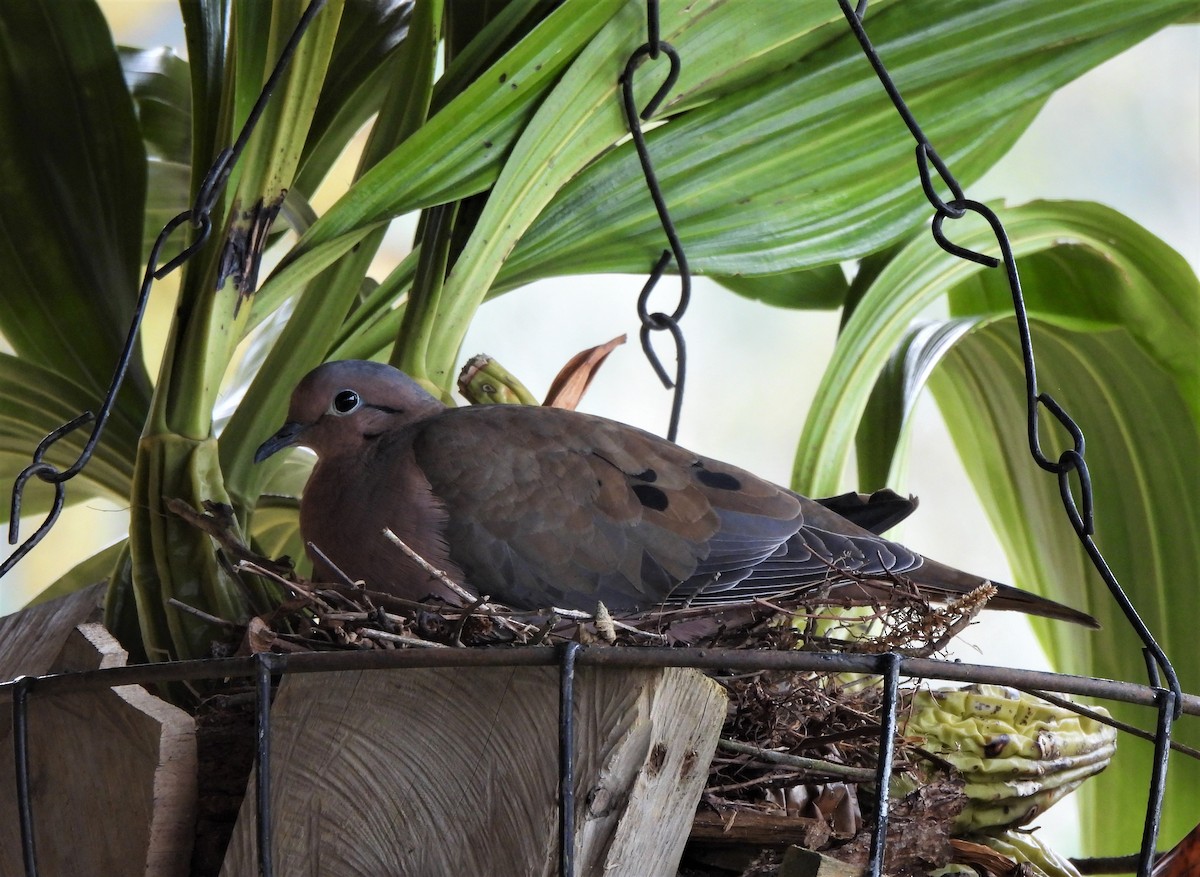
pixel 568 653
pixel 1070 460
pixel 200 217
pixel 266 666
pixel 658 321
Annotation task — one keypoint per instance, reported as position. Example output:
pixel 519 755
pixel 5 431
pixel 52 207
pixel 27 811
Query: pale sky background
pixel 1127 134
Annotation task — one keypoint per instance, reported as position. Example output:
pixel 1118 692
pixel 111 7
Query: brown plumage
pixel 541 507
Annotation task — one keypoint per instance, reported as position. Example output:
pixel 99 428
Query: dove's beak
pixel 286 436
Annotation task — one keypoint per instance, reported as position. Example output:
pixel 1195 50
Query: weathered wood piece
pixel 112 774
pixel 799 862
pixel 756 829
pixel 446 771
pixel 31 639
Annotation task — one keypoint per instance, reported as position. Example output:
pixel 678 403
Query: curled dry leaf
pixel 573 379
pixel 259 637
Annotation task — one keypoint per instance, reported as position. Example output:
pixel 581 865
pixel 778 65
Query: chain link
pixel 658 321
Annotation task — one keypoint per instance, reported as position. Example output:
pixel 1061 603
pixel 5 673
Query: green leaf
pixel 38 401
pixel 72 185
pixel 1141 449
pixel 1160 304
pixel 894 396
pixel 1099 292
pixel 1162 293
pixel 361 70
pixel 820 288
pixel 273 153
pixel 811 165
pixel 206 25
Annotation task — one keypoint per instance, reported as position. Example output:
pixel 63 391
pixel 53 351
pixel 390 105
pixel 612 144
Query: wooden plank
pixel 112 773
pixel 798 862
pixel 31 639
pixel 744 827
pixel 445 771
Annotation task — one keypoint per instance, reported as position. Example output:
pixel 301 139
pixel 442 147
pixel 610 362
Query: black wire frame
pixel 658 321
pixel 266 668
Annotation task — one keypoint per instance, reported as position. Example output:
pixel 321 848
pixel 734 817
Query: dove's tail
pixel 943 582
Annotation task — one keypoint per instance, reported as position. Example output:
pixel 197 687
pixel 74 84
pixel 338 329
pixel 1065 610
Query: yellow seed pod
pixel 1018 754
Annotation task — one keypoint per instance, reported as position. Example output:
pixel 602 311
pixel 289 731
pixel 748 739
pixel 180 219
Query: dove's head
pixel 340 406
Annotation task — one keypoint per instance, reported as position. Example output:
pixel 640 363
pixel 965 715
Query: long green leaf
pixel 811 165
pixel 206 25
pixel 37 401
pixel 1162 293
pixel 361 70
pixel 1143 454
pixel 1159 300
pixel 72 183
pixel 881 432
pixel 1100 293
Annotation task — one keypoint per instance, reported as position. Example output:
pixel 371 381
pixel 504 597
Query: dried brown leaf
pixel 572 381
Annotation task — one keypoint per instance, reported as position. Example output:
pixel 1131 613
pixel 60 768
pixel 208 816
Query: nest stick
pixel 816 765
pixel 441 575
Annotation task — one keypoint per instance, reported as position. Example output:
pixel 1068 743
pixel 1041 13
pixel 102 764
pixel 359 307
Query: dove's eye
pixel 345 402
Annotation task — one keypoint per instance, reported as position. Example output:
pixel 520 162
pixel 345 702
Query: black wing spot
pixel 646 475
pixel 716 480
pixel 651 497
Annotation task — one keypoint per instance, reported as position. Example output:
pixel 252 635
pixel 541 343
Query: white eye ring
pixel 344 402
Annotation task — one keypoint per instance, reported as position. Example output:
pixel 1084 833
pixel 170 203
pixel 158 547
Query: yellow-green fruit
pixel 1026 849
pixel 1029 849
pixel 1017 753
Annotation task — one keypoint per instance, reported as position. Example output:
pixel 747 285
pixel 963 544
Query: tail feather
pixel 937 579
